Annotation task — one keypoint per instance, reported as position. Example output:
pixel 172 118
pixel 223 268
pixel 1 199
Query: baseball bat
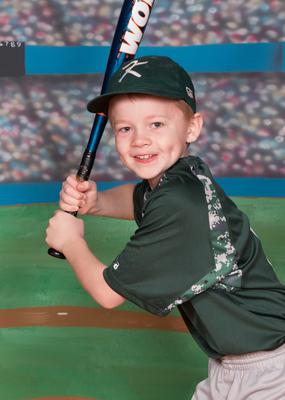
pixel 130 28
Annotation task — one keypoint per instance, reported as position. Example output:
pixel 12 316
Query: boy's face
pixel 151 133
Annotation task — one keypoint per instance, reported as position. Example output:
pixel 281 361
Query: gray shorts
pixel 253 376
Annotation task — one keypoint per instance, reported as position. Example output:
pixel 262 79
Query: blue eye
pixel 157 124
pixel 124 129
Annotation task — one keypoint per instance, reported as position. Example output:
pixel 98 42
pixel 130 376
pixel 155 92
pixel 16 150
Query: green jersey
pixel 194 249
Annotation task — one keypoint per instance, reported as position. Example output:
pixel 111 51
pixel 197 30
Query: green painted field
pixel 48 360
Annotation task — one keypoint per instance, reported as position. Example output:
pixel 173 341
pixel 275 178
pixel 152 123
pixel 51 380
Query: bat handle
pixel 83 173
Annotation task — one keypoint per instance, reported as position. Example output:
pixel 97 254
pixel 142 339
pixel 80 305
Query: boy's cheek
pixel 123 159
pixel 117 145
pixel 121 149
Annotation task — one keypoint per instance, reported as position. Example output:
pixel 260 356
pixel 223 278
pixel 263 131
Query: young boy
pixel 193 247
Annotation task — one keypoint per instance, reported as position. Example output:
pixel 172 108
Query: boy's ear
pixel 194 128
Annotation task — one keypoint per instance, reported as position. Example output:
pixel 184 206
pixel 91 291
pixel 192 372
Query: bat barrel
pixel 97 130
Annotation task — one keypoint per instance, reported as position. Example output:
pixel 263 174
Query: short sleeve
pixel 168 252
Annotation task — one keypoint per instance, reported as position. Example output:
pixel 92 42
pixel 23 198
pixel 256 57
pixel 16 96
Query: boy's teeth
pixel 145 157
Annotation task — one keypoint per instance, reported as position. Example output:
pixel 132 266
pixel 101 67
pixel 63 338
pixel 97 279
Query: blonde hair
pixel 185 108
pixel 181 104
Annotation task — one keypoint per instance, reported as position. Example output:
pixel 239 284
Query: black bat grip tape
pixel 82 175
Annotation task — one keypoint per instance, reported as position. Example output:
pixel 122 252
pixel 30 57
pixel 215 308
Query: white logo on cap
pixel 189 92
pixel 129 69
pixel 116 265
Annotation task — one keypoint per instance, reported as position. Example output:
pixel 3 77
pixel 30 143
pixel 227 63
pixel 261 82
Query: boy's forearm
pixel 115 203
pixel 89 271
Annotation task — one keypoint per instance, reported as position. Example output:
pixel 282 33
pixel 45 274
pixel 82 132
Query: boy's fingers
pixel 78 186
pixel 83 186
pixel 68 207
pixel 56 215
pixel 87 185
pixel 69 201
pixel 60 215
pixel 71 180
pixel 72 192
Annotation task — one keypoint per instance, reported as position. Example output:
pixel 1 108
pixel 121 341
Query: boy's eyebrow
pixel 115 121
pixel 151 116
pixel 122 121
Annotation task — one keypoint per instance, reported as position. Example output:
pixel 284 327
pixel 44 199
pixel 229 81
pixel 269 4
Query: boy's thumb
pixel 82 186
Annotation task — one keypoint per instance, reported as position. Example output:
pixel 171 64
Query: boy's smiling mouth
pixel 145 157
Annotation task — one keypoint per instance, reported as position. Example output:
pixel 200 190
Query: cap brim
pixel 100 104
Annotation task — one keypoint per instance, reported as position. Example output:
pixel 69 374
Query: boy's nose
pixel 141 138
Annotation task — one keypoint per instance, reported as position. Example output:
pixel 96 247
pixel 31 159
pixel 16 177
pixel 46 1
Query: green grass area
pixel 95 362
pixel 98 363
pixel 31 277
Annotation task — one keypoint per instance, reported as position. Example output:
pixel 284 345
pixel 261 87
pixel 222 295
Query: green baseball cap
pixel 152 75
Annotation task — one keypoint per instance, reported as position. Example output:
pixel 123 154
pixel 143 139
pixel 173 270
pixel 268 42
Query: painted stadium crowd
pixel 173 22
pixel 45 126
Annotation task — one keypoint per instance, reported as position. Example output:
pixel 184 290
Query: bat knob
pixel 55 253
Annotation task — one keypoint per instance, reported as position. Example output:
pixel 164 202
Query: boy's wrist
pixel 96 209
pixel 73 246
